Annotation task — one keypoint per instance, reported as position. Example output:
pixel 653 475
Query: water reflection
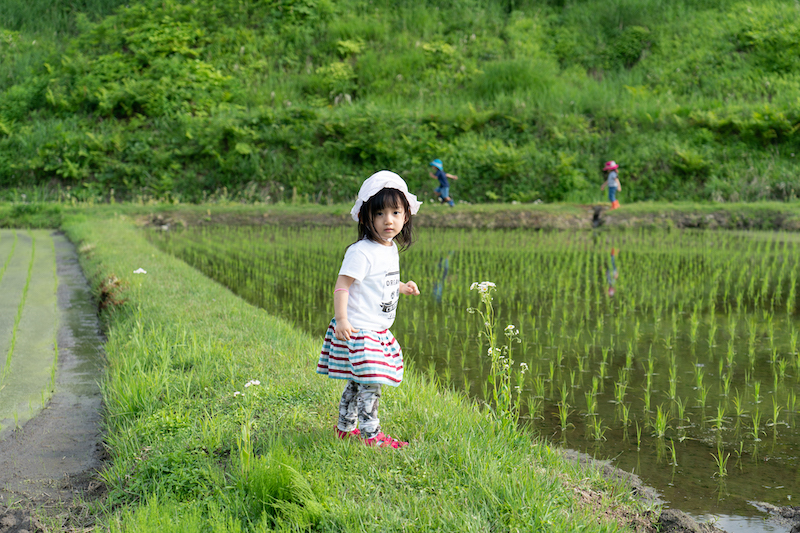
pixel 612 274
pixel 443 270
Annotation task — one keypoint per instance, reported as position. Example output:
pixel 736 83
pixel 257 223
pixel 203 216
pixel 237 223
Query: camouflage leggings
pixel 359 406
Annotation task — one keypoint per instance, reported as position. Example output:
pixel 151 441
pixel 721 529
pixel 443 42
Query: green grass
pixel 187 454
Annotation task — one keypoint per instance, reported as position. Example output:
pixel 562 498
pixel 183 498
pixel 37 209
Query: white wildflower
pixel 237 393
pixel 140 271
pixel 252 382
pixel 483 286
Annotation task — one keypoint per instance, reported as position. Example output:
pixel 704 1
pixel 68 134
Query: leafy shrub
pixel 190 100
pixel 770 34
pixel 630 45
pixel 333 79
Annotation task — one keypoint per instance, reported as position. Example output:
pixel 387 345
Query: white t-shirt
pixel 373 298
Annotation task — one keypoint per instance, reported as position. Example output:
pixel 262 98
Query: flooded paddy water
pixel 672 354
pixel 28 347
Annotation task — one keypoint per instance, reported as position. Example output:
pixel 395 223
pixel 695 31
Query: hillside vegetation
pixel 273 100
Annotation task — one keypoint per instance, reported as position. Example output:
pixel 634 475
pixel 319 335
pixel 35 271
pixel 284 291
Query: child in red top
pixel 612 182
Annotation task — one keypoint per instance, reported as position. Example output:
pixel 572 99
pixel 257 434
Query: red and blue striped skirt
pixel 368 357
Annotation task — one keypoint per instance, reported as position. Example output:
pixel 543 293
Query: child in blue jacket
pixel 443 190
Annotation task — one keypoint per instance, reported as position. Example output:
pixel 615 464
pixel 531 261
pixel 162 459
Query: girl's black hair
pixel 386 198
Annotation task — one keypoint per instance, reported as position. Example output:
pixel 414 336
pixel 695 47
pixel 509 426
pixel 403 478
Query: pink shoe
pixel 345 434
pixel 384 441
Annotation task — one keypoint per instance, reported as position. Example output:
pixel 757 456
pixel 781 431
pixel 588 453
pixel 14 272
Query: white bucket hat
pixel 382 180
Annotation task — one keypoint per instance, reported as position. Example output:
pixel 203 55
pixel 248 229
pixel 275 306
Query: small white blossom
pixel 483 286
pixel 510 327
pixel 252 382
pixel 237 393
pixel 140 271
pixel 523 367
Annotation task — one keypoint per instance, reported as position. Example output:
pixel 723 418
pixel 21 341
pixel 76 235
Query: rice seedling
pixel 591 404
pixel 680 403
pixel 726 383
pixel 738 404
pixel 755 418
pixel 673 453
pixel 638 436
pixel 782 367
pixel 719 420
pixel 563 416
pixel 712 330
pixel 702 395
pixel 699 372
pixel 661 422
pixel 730 355
pixel 625 410
pixel 538 387
pixel 776 409
pixel 673 382
pixel 598 430
pixel 619 391
pixel 721 462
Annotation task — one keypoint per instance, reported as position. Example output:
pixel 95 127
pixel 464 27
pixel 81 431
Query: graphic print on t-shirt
pixel 391 293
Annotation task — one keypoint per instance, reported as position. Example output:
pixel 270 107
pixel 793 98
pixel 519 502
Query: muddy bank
pixel 780 217
pixel 48 466
pixel 668 521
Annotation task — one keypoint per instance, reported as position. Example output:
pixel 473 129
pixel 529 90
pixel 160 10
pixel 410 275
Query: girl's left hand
pixel 410 288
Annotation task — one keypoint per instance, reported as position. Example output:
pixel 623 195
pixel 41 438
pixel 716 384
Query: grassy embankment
pixel 281 99
pixel 188 454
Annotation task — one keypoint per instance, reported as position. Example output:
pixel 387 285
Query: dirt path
pixel 47 467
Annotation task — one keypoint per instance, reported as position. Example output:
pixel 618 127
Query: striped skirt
pixel 368 357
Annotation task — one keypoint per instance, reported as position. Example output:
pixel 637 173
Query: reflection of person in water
pixel 612 274
pixel 438 287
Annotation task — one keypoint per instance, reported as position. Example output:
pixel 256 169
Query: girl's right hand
pixel 343 330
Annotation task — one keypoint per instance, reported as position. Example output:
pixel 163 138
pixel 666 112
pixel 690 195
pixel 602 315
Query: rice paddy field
pixel 28 318
pixel 672 353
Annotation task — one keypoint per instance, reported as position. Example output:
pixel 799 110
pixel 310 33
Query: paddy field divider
pixel 215 420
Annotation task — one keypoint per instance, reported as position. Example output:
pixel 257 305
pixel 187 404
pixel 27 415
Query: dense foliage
pixel 301 99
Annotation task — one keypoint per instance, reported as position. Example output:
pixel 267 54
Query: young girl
pixel 612 182
pixel 358 345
